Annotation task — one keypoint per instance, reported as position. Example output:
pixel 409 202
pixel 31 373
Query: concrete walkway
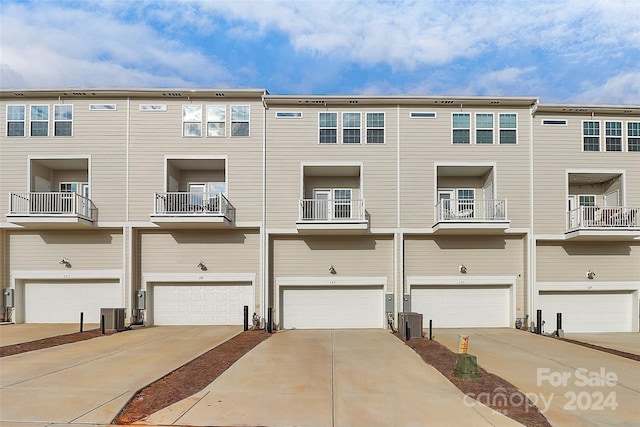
pixel 627 341
pixel 330 378
pixel 90 381
pixel 572 385
pixel 25 332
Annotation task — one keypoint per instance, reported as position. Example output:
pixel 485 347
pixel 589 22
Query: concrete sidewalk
pixel 330 378
pixel 90 381
pixel 25 332
pixel 625 341
pixel 570 384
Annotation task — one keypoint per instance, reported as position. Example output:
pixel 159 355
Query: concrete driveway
pixel 622 341
pixel 25 332
pixel 90 381
pixel 330 378
pixel 571 384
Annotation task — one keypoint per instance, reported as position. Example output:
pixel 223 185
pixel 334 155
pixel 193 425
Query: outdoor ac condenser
pixel 414 321
pixel 113 319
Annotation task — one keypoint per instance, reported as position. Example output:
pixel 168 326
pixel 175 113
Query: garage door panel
pixel 332 308
pixel 213 304
pixel 463 306
pixel 63 302
pixel 587 311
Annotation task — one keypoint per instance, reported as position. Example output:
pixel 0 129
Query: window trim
pixel 359 113
pixel 24 121
pixel 558 122
pixel 152 107
pixel 103 107
pixel 629 136
pixel 191 121
pixel 591 136
pixel 619 137
pixel 320 128
pixel 514 129
pixel 248 121
pixel 288 114
pixel 56 121
pixel 383 128
pixel 492 129
pixel 423 115
pixel 224 122
pixel 453 114
pixel 31 120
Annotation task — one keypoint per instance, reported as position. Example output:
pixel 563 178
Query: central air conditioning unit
pixel 113 319
pixel 410 325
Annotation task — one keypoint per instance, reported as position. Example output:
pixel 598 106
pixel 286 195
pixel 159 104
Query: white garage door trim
pixel 338 293
pixel 459 300
pixel 63 301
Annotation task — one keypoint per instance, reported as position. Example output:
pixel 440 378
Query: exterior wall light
pixel 332 270
pixel 65 262
pixel 463 269
pixel 591 275
pixel 202 266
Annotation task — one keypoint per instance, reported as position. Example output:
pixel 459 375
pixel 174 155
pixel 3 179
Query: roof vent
pixel 79 94
pixel 495 102
pixel 219 94
pixel 18 94
pixel 353 101
pixel 174 94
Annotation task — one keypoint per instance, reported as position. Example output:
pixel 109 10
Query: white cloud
pixel 623 88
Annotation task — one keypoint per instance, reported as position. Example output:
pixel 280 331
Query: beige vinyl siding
pixel 359 256
pixel 292 143
pixel 86 250
pixel 558 149
pixel 482 255
pixel 570 261
pixel 427 142
pixel 158 134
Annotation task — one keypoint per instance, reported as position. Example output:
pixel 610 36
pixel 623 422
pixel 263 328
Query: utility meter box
pixel 406 303
pixel 7 298
pixel 141 299
pixel 388 303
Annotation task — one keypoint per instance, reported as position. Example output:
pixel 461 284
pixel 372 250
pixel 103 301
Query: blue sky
pixel 575 51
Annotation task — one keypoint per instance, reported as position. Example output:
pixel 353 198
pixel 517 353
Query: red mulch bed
pixel 631 356
pixel 490 387
pixel 189 378
pixel 10 350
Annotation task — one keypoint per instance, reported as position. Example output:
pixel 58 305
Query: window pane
pixel 508 121
pixel 484 121
pixel 375 120
pixel 591 128
pixel 634 144
pixel 484 136
pixel 239 129
pixel 375 136
pixel 591 143
pixel 633 129
pixel 62 129
pixel 351 136
pixel 328 136
pixel 461 136
pixel 507 137
pixel 39 112
pixel 216 113
pixel 215 129
pixel 587 201
pixel 613 144
pixel 15 112
pixel 351 120
pixel 192 129
pixel 328 120
pixel 39 128
pixel 15 129
pixel 613 128
pixel 461 120
pixel 63 112
pixel 240 112
pixel 192 113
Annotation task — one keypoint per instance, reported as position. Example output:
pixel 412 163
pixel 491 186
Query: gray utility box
pixel 113 319
pixel 413 321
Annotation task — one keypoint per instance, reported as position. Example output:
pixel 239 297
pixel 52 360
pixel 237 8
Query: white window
pixel 216 120
pixel 328 128
pixel 591 136
pixel 375 128
pixel 289 115
pixel 461 128
pixel 192 120
pixel 508 128
pixel 102 107
pixel 153 107
pixel 342 203
pixel 351 128
pixel 63 120
pixel 39 120
pixel 586 200
pixel 484 128
pixel 240 120
pixel 15 120
pixel 633 136
pixel 466 202
pixel 422 115
pixel 613 136
pixel 554 122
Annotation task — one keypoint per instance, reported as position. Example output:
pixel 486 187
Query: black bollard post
pixel 269 324
pixel 558 322
pixel 430 330
pixel 246 317
pixel 407 331
pixel 539 322
pixel 81 320
pixel 102 324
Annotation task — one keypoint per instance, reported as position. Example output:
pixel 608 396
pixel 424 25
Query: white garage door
pixel 205 304
pixel 587 311
pixel 62 302
pixel 463 306
pixel 332 308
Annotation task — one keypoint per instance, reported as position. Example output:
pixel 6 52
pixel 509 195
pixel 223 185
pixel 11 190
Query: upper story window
pixel 351 128
pixel 484 128
pixel 508 128
pixel 192 120
pixel 554 122
pixel 102 107
pixel 422 115
pixel 375 128
pixel 289 115
pixel 633 136
pixel 591 136
pixel 15 120
pixel 216 120
pixel 461 125
pixel 39 120
pixel 328 128
pixel 613 136
pixel 63 120
pixel 240 120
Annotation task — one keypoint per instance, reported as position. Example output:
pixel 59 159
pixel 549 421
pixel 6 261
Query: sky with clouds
pixel 574 51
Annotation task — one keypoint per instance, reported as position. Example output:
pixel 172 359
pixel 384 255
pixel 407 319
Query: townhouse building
pixel 183 206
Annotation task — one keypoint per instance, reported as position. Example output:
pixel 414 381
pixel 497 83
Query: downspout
pixel 264 252
pixel 532 239
pixel 399 249
pixel 126 230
